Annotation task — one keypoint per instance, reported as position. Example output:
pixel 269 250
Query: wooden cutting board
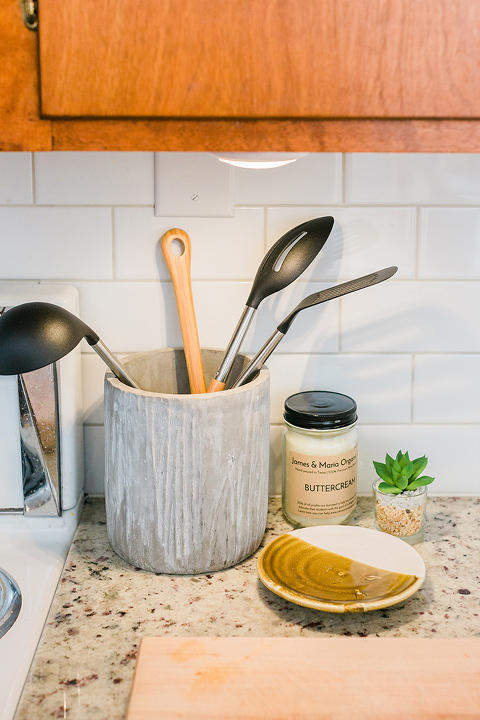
pixel 306 679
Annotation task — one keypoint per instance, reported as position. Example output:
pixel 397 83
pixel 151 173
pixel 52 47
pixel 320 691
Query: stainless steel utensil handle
pixel 115 365
pixel 310 301
pixel 258 360
pixel 234 344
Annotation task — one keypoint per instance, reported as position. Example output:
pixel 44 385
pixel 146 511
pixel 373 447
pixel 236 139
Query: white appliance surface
pixel 33 552
pixel 33 549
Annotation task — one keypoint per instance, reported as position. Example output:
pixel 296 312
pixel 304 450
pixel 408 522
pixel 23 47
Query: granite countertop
pixel 84 664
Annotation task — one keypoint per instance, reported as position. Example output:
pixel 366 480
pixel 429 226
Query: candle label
pixel 319 487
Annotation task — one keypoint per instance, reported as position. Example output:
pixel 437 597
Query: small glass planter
pixel 402 515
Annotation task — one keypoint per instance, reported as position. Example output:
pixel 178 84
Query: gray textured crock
pixel 186 476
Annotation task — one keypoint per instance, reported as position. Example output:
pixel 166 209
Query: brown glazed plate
pixel 341 568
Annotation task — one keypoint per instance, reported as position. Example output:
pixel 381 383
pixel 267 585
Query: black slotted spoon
pixel 284 262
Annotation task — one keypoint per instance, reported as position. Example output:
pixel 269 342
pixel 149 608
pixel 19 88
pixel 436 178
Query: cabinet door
pixel 260 58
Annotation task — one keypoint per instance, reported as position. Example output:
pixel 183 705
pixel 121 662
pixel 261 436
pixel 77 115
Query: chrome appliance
pixel 41 490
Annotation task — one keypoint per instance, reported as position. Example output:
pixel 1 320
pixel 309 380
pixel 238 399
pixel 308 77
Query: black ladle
pixel 283 263
pixel 36 334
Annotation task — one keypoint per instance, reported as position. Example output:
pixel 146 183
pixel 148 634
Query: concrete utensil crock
pixel 186 476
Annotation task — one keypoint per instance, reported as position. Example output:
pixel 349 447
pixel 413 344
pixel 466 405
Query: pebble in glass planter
pixel 401 515
pixel 400 496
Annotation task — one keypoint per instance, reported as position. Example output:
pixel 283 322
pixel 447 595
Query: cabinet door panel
pixel 260 58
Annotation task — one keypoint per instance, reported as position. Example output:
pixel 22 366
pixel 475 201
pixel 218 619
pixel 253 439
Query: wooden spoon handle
pixel 179 269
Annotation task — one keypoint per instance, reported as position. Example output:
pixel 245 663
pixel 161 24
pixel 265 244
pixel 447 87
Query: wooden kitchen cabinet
pixel 260 58
pixel 237 75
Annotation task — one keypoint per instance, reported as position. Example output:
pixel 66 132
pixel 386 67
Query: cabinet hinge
pixel 30 13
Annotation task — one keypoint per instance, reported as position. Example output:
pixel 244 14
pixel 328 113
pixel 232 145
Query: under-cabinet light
pixel 258 160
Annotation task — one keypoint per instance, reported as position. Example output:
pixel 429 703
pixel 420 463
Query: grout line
pixel 345 355
pixel 313 281
pixel 34 189
pixel 446 424
pixel 273 206
pixel 358 205
pixel 280 424
pixel 340 327
pixel 412 396
pixel 381 353
pixel 344 190
pixel 74 206
pixel 380 424
pixel 417 242
pixel 265 215
pixel 112 224
pixel 155 176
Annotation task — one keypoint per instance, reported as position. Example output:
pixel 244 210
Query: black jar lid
pixel 320 410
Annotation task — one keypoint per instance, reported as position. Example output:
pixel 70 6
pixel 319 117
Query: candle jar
pixel 319 459
pixel 402 515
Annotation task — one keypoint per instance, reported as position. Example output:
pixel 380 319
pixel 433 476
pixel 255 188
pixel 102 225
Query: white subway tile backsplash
pixel 406 178
pixel 94 178
pixel 218 306
pixel 412 317
pixel 312 180
pixel 222 248
pixel 276 460
pixel 446 389
pixel 380 384
pixel 16 178
pixel 93 373
pixel 407 350
pixel 362 240
pixel 141 316
pixel 193 184
pixel 449 245
pixel 113 311
pixel 313 330
pixel 59 243
pixel 451 450
pixel 130 316
pixel 452 453
pixel 94 444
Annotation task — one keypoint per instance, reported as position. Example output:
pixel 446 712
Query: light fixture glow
pixel 258 160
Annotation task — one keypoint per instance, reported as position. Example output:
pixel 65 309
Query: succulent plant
pixel 401 474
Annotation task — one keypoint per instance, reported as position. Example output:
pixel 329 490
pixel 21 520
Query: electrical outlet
pixel 193 184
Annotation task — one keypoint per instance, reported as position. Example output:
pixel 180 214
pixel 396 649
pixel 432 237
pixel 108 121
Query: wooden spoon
pixel 179 269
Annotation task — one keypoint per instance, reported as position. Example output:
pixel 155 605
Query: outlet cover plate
pixel 193 184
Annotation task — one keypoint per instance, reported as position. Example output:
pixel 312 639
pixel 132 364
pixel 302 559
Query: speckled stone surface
pixel 84 665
